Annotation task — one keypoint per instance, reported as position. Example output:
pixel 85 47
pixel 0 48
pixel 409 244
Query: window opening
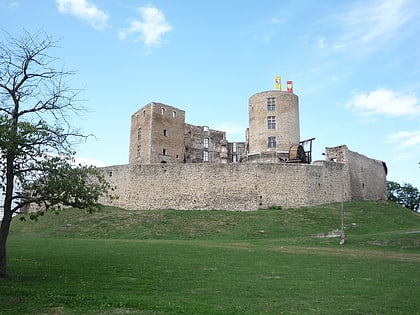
pixel 205 156
pixel 272 142
pixel 271 122
pixel 271 103
pixel 206 143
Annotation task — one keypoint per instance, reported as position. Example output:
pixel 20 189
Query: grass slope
pixel 215 262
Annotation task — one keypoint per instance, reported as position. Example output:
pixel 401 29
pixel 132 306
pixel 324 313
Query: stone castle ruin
pixel 176 165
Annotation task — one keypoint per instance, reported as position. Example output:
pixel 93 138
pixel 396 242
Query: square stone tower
pixel 157 135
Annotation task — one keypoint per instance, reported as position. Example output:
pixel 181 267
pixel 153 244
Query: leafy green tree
pixel 405 195
pixel 393 191
pixel 37 141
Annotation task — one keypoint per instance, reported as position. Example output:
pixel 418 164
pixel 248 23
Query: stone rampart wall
pixel 345 175
pixel 367 176
pixel 234 186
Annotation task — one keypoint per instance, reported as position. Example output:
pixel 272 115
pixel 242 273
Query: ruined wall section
pixel 232 186
pixel 235 150
pixel 203 144
pixel 366 176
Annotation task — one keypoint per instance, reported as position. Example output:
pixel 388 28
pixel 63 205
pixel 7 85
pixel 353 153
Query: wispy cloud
pixel 406 139
pixel 84 10
pixel 384 102
pixel 150 28
pixel 368 25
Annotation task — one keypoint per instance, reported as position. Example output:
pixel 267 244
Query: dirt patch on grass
pixel 358 253
pixel 322 251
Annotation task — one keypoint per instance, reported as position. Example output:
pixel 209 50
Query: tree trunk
pixel 5 224
pixel 4 232
pixel 7 208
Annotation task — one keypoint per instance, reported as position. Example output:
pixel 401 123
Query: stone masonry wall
pixel 367 177
pixel 195 146
pixel 234 186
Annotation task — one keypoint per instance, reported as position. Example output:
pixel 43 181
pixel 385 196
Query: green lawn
pixel 215 262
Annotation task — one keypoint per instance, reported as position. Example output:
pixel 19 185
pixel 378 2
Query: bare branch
pixel 37 138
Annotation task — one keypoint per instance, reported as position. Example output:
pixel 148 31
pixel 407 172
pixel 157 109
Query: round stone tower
pixel 273 122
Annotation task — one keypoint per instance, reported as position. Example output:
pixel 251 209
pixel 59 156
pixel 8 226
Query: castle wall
pixel 367 177
pixel 233 186
pixel 196 173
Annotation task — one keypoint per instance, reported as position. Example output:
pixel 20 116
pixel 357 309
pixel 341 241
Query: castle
pixel 175 165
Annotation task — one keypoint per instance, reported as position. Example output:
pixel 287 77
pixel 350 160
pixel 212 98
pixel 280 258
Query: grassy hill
pixel 375 224
pixel 270 261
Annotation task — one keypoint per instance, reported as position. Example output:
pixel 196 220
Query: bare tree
pixel 37 139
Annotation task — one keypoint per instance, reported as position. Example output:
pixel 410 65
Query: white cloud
pixel 385 102
pixel 84 10
pixel 150 28
pixel 371 24
pixel 406 139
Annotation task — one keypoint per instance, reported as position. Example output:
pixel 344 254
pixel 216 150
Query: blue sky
pixel 355 67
